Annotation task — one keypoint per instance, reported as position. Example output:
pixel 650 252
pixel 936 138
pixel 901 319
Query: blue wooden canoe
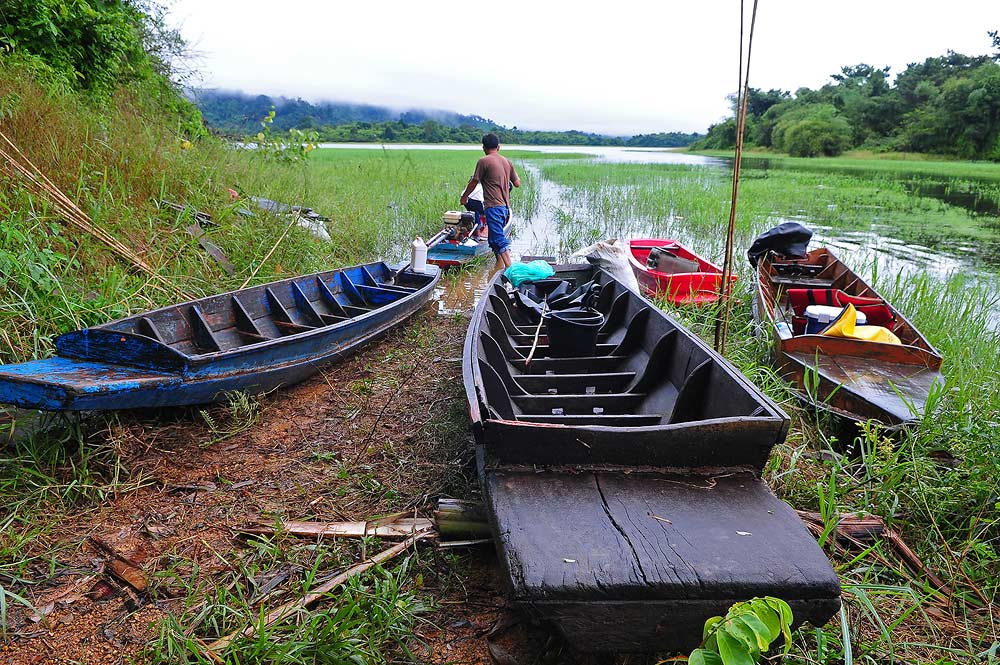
pixel 449 253
pixel 252 340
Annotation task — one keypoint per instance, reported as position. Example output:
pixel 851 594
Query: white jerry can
pixel 418 255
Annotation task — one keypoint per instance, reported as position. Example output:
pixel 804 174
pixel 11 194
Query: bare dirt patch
pixel 383 431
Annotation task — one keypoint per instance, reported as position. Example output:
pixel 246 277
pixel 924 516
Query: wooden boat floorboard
pixel 885 385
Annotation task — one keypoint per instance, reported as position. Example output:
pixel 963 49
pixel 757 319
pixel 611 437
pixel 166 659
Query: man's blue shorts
pixel 496 219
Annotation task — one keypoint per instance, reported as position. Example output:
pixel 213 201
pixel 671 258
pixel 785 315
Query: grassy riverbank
pixel 874 162
pixel 938 485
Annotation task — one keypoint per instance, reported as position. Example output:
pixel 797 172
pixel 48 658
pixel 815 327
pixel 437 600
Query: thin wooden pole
pixel 725 288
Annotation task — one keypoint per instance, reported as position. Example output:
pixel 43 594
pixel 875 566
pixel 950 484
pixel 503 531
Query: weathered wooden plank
pixel 578 547
pixel 653 536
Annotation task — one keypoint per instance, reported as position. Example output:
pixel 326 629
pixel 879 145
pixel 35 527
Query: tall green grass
pixel 939 483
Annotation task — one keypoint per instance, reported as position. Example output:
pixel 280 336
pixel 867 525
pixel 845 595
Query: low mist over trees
pixel 239 114
pixel 949 105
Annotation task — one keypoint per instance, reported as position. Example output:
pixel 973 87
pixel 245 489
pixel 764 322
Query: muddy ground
pixel 383 431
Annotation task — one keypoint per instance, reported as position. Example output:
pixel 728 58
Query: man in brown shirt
pixel 496 174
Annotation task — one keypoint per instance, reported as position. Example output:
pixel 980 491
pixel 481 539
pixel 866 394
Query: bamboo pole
pixel 743 91
pixel 16 166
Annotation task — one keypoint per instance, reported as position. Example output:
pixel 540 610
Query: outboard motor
pixel 459 224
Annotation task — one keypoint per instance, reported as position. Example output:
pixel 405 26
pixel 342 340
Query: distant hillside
pixel 240 114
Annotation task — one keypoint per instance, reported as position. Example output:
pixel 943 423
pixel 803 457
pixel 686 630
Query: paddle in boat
pixel 252 340
pixel 460 241
pixel 621 461
pixel 835 333
pixel 667 269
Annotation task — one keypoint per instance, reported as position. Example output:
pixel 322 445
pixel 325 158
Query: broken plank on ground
pixel 399 528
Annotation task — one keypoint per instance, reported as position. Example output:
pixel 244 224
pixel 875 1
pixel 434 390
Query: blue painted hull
pixel 115 367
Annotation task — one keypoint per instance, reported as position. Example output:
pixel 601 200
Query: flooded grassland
pixel 927 237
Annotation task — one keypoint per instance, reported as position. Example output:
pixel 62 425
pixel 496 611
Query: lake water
pixel 613 154
pixel 877 245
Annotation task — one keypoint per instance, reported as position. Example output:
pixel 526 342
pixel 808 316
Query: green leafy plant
pixel 747 631
pixel 295 148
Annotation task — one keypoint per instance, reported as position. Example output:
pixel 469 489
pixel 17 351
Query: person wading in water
pixel 496 174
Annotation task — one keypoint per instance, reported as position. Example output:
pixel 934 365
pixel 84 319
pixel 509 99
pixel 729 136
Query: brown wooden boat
pixel 623 481
pixel 853 379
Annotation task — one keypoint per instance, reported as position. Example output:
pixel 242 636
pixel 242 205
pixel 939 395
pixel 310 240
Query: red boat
pixel 683 277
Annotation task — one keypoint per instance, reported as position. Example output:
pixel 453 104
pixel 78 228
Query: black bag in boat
pixel 789 239
pixel 555 295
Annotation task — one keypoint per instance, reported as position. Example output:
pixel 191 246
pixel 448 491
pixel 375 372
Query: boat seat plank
pixel 336 308
pixel 401 290
pixel 204 337
pixel 584 405
pixel 580 365
pixel 792 282
pixel 333 319
pixel 616 316
pixel 613 420
pixel 632 336
pixel 281 316
pixel 656 365
pixel 368 278
pixel 499 333
pixel 352 290
pixel 148 329
pixel 691 395
pixel 542 350
pixel 245 324
pixel 520 318
pixel 353 311
pixel 376 295
pixel 305 306
pixel 503 313
pixel 577 384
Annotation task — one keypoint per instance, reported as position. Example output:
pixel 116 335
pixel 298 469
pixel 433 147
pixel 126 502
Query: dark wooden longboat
pixel 857 380
pixel 252 340
pixel 624 488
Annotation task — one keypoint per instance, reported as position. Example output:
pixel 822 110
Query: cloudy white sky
pixel 619 67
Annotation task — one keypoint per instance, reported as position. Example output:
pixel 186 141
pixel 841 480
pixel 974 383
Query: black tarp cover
pixel 789 239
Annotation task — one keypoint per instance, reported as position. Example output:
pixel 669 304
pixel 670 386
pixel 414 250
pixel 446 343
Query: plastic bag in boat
pixel 612 258
pixel 528 272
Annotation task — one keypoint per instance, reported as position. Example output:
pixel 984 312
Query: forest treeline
pixel 239 114
pixel 947 105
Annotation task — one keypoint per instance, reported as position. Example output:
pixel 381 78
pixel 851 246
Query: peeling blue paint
pixel 118 366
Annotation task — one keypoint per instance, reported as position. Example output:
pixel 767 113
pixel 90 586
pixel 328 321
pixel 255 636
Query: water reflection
pixel 564 220
pixel 611 154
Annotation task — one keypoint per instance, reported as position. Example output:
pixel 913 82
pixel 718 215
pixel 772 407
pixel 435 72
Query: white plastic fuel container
pixel 418 255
